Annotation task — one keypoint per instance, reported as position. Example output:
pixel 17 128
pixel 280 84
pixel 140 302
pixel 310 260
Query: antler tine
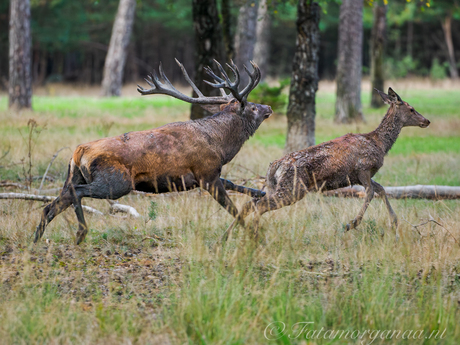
pixel 228 84
pixel 254 80
pixel 222 72
pixel 192 84
pixel 219 82
pixel 163 75
pixel 235 72
pixel 257 70
pixel 211 73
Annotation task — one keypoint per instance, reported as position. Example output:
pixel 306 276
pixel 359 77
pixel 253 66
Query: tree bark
pixel 378 38
pixel 116 56
pixel 227 30
pixel 261 48
pixel 20 63
pixel 246 35
pixel 301 111
pixel 447 28
pixel 350 50
pixel 208 46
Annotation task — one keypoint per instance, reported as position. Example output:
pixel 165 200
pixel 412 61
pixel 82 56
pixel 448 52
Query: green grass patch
pixel 75 107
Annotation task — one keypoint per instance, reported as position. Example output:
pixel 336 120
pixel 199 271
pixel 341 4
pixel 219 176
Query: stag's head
pixel 407 114
pixel 235 102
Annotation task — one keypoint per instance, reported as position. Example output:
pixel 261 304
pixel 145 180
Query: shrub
pixel 272 95
pixel 401 68
pixel 438 71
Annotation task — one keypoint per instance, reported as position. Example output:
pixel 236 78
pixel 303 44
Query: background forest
pixel 70 38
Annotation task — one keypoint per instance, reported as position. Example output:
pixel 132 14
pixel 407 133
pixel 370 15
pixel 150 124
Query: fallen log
pixel 431 192
pixel 115 207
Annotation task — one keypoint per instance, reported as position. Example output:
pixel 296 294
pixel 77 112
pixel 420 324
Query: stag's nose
pixel 269 112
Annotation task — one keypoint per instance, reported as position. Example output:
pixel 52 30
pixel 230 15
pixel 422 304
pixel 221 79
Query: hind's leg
pixel 269 202
pixel 58 205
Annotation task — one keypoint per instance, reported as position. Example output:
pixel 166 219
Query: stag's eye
pixel 253 108
pixel 412 110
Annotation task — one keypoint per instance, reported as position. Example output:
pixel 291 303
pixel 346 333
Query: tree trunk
pixel 246 36
pixel 261 48
pixel 447 28
pixel 410 37
pixel 407 192
pixel 304 82
pixel 208 46
pixel 350 51
pixel 377 52
pixel 20 78
pixel 116 56
pixel 227 30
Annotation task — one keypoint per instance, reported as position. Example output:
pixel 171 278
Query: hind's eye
pixel 412 110
pixel 253 108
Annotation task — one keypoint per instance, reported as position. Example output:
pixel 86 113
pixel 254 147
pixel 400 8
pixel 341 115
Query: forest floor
pixel 122 286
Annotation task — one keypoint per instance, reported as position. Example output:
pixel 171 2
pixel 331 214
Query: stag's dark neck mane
pixel 226 130
pixel 388 130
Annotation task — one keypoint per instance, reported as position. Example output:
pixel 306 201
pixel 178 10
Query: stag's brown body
pixel 347 160
pixel 176 157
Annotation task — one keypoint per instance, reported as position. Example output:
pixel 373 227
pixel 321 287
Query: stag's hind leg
pixel 60 204
pixel 111 186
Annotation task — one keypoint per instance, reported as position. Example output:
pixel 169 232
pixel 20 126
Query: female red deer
pixel 348 160
pixel 176 157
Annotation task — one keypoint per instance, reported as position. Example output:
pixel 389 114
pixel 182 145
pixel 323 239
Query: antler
pixel 166 88
pixel 233 87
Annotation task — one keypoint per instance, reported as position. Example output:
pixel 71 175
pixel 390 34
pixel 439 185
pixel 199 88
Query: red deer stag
pixel 347 160
pixel 176 157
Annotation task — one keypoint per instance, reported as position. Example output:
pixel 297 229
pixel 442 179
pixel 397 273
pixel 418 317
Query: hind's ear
pixel 384 96
pixel 394 97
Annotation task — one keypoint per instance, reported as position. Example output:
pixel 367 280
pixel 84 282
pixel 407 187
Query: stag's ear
pixel 384 96
pixel 394 97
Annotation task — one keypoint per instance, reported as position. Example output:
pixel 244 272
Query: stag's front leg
pixel 229 185
pixel 381 191
pixel 218 192
pixel 365 179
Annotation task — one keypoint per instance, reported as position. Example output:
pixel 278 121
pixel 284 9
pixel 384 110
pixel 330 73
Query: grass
pixel 121 286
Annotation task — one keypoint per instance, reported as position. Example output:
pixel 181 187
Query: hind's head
pixel 408 115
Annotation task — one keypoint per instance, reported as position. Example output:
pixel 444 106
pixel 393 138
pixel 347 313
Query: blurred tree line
pixel 70 39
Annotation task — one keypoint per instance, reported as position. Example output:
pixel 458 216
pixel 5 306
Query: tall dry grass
pixel 123 286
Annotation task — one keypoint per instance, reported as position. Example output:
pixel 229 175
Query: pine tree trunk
pixel 350 50
pixel 208 46
pixel 20 78
pixel 377 53
pixel 447 28
pixel 304 82
pixel 261 48
pixel 246 36
pixel 116 56
pixel 227 30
